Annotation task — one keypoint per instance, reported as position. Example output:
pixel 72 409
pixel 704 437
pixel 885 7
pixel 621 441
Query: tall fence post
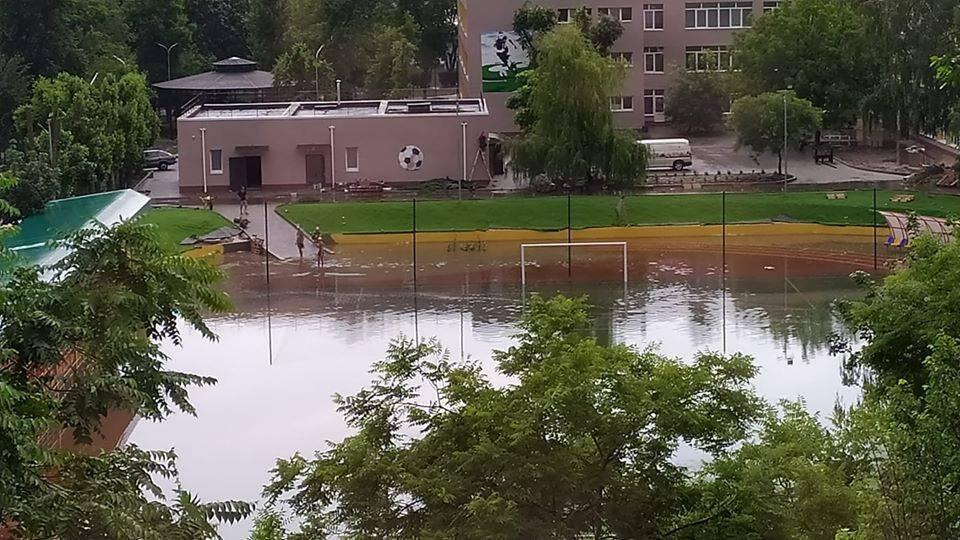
pixel 569 236
pixel 723 268
pixel 416 306
pixel 266 250
pixel 876 264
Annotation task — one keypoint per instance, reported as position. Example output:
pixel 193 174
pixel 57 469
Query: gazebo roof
pixel 232 73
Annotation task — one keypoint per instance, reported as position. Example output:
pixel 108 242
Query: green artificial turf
pixel 550 213
pixel 176 224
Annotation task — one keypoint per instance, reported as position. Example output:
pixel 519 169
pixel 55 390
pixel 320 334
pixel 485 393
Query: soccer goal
pixel 525 247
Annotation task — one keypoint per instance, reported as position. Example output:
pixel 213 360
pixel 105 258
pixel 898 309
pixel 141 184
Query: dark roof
pixel 229 74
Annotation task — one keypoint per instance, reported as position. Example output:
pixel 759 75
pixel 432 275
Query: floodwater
pixel 327 328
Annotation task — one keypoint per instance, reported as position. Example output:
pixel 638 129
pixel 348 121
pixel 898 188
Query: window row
pixel 654 103
pixel 698 58
pixel 351 157
pixel 622 14
pixel 719 14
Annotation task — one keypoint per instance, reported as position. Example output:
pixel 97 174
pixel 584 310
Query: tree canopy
pixel 569 133
pixel 697 100
pixel 820 48
pixel 580 444
pixel 758 122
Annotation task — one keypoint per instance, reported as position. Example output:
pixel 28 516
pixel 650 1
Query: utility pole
pixel 169 50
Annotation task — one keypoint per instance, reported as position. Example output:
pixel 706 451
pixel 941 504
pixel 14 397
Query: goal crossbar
pixel 524 247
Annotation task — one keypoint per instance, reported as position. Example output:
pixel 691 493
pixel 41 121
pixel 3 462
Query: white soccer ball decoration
pixel 411 158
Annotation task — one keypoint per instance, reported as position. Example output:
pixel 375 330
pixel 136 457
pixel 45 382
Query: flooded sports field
pixel 291 345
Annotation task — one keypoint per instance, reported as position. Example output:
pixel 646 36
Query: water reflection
pixel 327 331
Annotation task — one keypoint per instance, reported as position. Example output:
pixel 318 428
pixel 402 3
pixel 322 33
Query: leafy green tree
pixel 105 307
pixel 97 39
pixel 113 120
pixel 14 90
pixel 163 22
pixel 905 314
pixel 529 21
pixel 571 136
pixel 266 22
pixel 394 66
pixel 36 181
pixel 581 443
pixel 603 34
pixel 906 34
pixel 438 30
pixel 299 67
pixel 35 32
pixel 697 100
pixel 758 121
pixel 220 25
pixel 820 48
pixel 790 483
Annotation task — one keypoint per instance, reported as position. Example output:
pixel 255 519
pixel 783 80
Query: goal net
pixel 571 246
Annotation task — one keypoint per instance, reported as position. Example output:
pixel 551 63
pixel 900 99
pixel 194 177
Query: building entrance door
pixel 245 171
pixel 316 169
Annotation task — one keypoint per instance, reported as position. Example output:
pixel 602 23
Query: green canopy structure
pixel 33 242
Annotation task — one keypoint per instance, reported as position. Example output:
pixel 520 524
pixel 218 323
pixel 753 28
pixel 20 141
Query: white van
pixel 668 153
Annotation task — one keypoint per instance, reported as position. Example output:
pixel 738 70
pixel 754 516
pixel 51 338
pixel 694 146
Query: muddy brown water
pixel 328 327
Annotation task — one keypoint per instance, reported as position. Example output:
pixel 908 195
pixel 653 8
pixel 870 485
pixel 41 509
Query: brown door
pixel 316 169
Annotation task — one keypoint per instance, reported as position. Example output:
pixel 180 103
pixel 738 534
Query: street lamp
pixel 316 66
pixel 168 49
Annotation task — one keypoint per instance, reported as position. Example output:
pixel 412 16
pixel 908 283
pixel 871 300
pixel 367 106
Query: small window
pixel 216 161
pixel 625 57
pixel 353 159
pixel 621 103
pixel 626 14
pixel 564 15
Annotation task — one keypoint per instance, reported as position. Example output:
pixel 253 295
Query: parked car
pixel 158 159
pixel 668 153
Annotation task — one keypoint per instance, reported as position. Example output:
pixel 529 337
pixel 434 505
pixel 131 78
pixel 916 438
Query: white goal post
pixel 524 247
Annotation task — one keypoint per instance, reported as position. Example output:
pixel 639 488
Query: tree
pixel 107 124
pixel 581 443
pixel 220 25
pixel 697 100
pixel 299 67
pixel 820 48
pixel 905 314
pixel 438 30
pixel 906 34
pixel 34 181
pixel 758 121
pixel 14 89
pixel 788 484
pixel 394 67
pixel 265 25
pixel 106 307
pixel 571 136
pixel 529 21
pixel 33 31
pixel 163 22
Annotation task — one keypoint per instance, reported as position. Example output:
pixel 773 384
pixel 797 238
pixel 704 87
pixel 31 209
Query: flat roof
pixel 343 109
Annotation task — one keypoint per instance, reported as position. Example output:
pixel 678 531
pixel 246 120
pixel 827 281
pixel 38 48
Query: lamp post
pixel 316 66
pixel 169 50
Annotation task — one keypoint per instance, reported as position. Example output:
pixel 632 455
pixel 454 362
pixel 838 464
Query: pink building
pixel 297 146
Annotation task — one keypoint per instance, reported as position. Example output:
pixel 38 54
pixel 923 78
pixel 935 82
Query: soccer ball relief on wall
pixel 411 158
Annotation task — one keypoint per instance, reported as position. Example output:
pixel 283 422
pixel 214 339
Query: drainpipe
pixel 203 156
pixel 333 163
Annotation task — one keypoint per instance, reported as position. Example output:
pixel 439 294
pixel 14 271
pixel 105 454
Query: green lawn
pixel 176 224
pixel 550 213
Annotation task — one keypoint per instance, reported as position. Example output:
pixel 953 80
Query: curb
pixel 870 169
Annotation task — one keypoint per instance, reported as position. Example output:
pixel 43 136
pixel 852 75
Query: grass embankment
pixel 176 224
pixel 550 213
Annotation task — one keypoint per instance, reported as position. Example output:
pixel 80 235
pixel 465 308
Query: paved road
pixel 164 185
pixel 719 153
pixel 283 235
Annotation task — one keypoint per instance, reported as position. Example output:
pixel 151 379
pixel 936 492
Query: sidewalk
pixel 282 242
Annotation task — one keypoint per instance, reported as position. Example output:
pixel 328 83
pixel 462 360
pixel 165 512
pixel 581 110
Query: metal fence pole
pixel 723 270
pixel 569 236
pixel 416 306
pixel 266 249
pixel 876 264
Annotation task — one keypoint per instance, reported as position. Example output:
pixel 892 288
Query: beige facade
pixel 659 36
